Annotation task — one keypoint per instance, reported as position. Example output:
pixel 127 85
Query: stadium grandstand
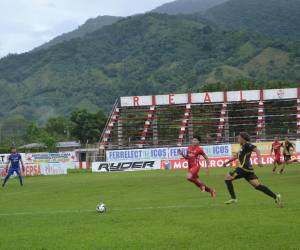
pixel 172 120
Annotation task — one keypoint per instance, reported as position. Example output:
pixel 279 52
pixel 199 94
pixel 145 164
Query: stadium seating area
pixel 216 122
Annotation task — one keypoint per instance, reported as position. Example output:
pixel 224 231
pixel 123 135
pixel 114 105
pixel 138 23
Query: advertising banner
pixel 40 169
pixel 163 153
pixel 298 146
pixel 3 162
pixel 54 168
pixel 183 164
pixel 32 170
pixel 137 154
pixel 2 172
pixel 3 158
pixel 125 166
pixel 217 162
pixel 264 147
pixel 209 97
pixel 50 157
pixel 211 151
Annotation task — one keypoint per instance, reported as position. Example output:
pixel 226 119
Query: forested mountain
pixel 146 54
pixel 187 6
pixel 89 26
pixel 275 18
pixel 93 24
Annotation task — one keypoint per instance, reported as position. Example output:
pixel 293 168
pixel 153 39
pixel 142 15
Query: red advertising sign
pixel 30 170
pixel 183 164
pixel 217 162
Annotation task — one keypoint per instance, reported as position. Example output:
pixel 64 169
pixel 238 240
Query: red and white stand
pixel 184 123
pixel 147 125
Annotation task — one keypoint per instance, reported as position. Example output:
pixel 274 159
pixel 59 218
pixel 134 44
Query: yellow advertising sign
pixel 264 147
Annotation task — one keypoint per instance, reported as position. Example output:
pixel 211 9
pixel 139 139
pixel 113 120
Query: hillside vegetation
pixel 147 54
pixel 275 18
pixel 89 26
pixel 187 6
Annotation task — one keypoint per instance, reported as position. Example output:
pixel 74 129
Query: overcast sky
pixel 25 24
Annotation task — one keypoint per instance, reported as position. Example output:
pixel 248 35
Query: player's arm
pixel 230 160
pixel 272 149
pixel 258 154
pixel 293 147
pixel 8 165
pixel 206 160
pixel 22 164
pixel 182 154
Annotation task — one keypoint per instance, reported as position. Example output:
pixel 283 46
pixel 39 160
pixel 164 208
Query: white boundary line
pixel 109 210
pixel 79 211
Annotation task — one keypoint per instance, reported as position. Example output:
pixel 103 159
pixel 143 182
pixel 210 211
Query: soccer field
pixel 148 210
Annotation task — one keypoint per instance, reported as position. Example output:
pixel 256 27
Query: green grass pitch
pixel 148 210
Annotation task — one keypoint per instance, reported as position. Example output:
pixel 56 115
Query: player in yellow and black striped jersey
pixel 246 171
pixel 288 150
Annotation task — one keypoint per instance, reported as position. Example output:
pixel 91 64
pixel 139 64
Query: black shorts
pixel 287 157
pixel 239 173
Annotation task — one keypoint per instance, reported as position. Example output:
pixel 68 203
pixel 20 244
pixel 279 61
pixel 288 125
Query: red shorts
pixel 277 158
pixel 194 170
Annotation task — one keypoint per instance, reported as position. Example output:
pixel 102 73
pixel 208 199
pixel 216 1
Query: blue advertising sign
pixel 164 153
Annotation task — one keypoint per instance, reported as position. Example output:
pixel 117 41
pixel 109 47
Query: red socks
pixel 200 185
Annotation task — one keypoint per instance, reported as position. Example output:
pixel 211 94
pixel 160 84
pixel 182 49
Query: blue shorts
pixel 12 170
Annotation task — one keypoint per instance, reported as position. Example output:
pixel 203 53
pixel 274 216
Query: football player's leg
pixel 282 168
pixel 274 167
pixel 253 180
pixel 286 161
pixel 20 176
pixel 228 181
pixel 192 176
pixel 9 173
pixel 203 186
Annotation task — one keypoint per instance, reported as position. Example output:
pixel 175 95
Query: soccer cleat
pixel 213 194
pixel 231 201
pixel 278 200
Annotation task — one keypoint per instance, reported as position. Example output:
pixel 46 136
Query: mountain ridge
pixel 139 55
pixel 89 26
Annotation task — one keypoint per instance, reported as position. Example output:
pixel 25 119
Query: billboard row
pixel 168 158
pixel 40 169
pixel 163 153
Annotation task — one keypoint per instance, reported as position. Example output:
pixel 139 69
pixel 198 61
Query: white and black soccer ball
pixel 101 208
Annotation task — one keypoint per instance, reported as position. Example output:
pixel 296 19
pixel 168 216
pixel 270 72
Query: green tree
pixel 59 126
pixel 87 127
pixel 37 134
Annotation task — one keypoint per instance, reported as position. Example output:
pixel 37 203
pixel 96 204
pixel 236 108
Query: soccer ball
pixel 101 208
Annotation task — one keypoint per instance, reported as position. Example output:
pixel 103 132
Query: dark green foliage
pixel 248 85
pixel 89 26
pixel 59 126
pixel 87 127
pixel 276 18
pixel 187 6
pixel 139 55
pixel 81 126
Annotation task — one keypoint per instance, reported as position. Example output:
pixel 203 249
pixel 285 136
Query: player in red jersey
pixel 276 148
pixel 193 154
